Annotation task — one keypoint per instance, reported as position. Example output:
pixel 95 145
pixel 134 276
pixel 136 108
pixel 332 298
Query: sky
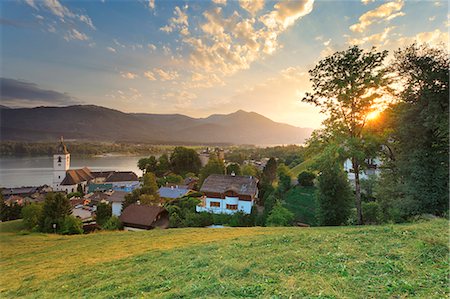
pixel 195 57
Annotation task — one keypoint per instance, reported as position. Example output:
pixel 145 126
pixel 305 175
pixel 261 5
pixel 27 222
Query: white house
pixel 369 167
pixel 116 199
pixel 228 194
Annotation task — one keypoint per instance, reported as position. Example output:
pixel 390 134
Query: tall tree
pixel 214 166
pixel 334 194
pixel 56 208
pixel 420 131
pixel 270 170
pixel 347 86
pixel 234 168
pixel 184 160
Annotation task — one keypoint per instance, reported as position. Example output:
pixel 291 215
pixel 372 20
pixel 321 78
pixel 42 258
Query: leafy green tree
pixel 170 179
pixel 346 86
pixel 149 189
pixel 113 223
pixel 184 160
pixel 284 178
pixel 419 139
pixel 334 195
pixel 306 178
pixel 103 213
pixel 31 215
pixel 234 168
pixel 80 189
pixel 249 170
pixel 148 164
pixel 280 216
pixel 270 170
pixel 71 226
pixel 163 165
pixel 214 166
pixel 56 208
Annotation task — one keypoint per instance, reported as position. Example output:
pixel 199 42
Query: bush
pixel 371 212
pixel 71 226
pixel 113 223
pixel 306 178
pixel 31 215
pixel 280 216
pixel 74 194
pixel 103 213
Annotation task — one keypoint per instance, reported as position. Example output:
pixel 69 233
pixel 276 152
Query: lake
pixel 36 171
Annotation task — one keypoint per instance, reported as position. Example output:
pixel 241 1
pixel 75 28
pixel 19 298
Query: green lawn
pixel 302 202
pixel 304 166
pixel 11 226
pixel 392 261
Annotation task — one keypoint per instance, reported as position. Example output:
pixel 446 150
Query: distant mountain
pixel 94 123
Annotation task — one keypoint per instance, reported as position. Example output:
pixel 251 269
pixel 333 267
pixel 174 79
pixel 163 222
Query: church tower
pixel 61 163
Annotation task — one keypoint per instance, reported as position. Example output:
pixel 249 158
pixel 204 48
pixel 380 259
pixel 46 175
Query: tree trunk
pixel 357 191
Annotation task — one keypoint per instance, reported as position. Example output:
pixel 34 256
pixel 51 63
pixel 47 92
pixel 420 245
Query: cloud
pixel 127 95
pixel 66 17
pixel 230 43
pixel 166 75
pixel 220 2
pixel 377 39
pixel 151 4
pixel 252 6
pixel 152 47
pixel 74 34
pixel 179 21
pixel 433 38
pixel 18 93
pixel 111 49
pixel 365 2
pixel 150 76
pixel 384 12
pixel 129 75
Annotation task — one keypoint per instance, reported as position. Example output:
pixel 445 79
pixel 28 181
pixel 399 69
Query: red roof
pixel 76 176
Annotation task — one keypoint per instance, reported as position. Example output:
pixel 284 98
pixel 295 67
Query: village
pixel 87 190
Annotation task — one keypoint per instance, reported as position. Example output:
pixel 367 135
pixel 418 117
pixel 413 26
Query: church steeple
pixel 62 149
pixel 61 163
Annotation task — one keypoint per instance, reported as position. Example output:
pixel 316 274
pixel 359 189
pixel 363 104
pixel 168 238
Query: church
pixel 68 180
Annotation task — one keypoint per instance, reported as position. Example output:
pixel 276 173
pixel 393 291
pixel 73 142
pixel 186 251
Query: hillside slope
pixel 94 123
pixel 392 261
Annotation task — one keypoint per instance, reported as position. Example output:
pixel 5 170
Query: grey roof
pixel 117 196
pixel 122 176
pixel 219 183
pixel 18 191
pixel 173 192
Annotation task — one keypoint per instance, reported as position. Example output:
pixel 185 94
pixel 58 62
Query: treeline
pixel 11 148
pixel 291 155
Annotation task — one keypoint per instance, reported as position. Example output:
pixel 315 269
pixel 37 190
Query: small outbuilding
pixel 144 217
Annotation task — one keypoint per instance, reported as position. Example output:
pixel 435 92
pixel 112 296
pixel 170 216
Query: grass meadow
pixel 390 261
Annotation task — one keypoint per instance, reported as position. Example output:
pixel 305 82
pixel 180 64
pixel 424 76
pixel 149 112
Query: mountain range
pixel 95 123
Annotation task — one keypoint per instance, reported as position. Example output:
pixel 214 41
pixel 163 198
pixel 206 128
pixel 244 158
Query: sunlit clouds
pixel 202 57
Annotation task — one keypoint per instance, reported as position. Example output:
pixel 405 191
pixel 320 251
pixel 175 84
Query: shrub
pixel 280 216
pixel 306 178
pixel 371 212
pixel 31 215
pixel 103 213
pixel 71 226
pixel 113 223
pixel 74 194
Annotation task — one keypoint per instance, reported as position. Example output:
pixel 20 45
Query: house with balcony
pixel 228 194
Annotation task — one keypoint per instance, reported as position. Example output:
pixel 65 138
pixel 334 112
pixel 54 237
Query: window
pixel 59 159
pixel 232 207
pixel 214 204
